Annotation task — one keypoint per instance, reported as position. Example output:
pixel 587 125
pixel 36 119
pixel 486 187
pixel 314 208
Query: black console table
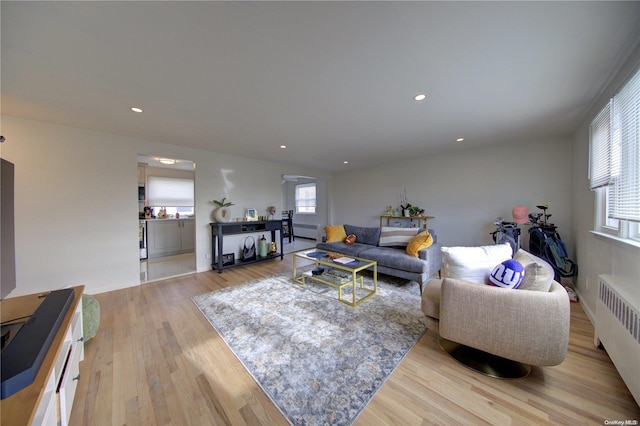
pixel 220 230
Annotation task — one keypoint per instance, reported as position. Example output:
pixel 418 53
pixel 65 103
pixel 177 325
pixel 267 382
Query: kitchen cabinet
pixel 167 237
pixel 188 235
pixel 142 174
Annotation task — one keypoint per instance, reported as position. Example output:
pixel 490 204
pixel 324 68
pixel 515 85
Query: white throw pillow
pixel 473 264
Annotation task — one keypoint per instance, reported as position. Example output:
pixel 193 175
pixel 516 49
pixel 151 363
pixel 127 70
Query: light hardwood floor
pixel 157 361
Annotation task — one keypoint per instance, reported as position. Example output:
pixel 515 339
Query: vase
pixel 222 214
pixel 273 249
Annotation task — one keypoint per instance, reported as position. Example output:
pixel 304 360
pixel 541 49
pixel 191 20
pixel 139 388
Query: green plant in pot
pixel 222 212
pixel 415 210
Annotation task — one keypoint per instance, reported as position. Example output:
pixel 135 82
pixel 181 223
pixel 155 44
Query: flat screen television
pixel 7 230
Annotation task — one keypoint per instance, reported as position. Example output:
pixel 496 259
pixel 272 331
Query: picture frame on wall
pixel 252 215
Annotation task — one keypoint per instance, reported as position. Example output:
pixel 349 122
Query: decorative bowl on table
pixel 334 256
pixel 317 271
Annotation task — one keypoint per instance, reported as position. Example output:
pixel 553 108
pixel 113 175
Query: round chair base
pixel 483 362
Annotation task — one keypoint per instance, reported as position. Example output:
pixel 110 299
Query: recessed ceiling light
pixel 420 97
pixel 459 139
pixel 136 109
pixel 168 161
pixel 283 146
pixel 345 162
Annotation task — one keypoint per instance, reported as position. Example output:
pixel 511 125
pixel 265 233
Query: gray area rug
pixel 319 360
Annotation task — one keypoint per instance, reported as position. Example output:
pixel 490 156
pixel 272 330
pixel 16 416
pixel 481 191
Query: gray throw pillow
pixel 538 274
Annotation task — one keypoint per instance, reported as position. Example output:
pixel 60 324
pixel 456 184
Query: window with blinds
pixel 306 198
pixel 614 169
pixel 170 192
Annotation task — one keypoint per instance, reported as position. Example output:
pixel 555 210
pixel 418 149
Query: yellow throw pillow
pixel 419 242
pixel 335 233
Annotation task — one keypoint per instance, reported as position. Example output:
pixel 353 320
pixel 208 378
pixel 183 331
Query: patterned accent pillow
pixel 507 274
pixel 396 237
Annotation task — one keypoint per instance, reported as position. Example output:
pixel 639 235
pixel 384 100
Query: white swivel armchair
pixel 501 332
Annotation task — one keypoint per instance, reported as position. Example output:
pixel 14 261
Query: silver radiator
pixel 617 327
pixel 306 230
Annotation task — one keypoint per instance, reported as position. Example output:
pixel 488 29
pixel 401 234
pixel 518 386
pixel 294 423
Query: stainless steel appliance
pixel 142 236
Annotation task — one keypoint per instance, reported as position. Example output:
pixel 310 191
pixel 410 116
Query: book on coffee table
pixel 344 260
pixel 337 277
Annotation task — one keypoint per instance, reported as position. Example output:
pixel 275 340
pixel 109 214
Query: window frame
pixel 297 199
pixel 603 223
pixel 606 148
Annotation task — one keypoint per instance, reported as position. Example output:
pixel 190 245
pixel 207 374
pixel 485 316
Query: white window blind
pixel 600 167
pixel 615 152
pixel 625 199
pixel 170 192
pixel 306 198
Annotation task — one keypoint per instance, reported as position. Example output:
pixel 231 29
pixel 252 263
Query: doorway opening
pixel 166 213
pixel 305 197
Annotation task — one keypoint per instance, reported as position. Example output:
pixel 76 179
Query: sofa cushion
pixel 335 233
pixel 419 242
pixel 395 258
pixel 340 247
pixel 364 235
pixel 538 274
pixel 473 264
pixel 391 236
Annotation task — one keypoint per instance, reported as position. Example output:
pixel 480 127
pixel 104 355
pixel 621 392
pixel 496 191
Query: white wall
pixel 465 190
pixel 597 255
pixel 76 202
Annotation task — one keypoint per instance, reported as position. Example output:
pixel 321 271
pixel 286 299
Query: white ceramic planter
pixel 222 214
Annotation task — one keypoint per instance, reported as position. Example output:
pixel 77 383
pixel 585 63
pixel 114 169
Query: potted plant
pixel 415 211
pixel 222 212
pixel 407 209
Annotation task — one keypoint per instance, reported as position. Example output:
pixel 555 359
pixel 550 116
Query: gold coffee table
pixel 338 275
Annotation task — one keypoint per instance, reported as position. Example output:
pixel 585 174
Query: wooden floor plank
pixel 157 360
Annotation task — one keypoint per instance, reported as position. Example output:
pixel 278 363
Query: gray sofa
pixel 392 261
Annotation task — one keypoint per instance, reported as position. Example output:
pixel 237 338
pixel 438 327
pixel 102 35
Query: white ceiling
pixel 333 81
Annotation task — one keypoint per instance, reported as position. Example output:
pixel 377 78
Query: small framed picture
pixel 252 215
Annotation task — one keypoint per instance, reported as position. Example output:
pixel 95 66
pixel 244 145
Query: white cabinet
pixel 47 413
pixel 49 401
pixel 71 372
pixel 166 237
pixel 188 234
pixel 163 238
